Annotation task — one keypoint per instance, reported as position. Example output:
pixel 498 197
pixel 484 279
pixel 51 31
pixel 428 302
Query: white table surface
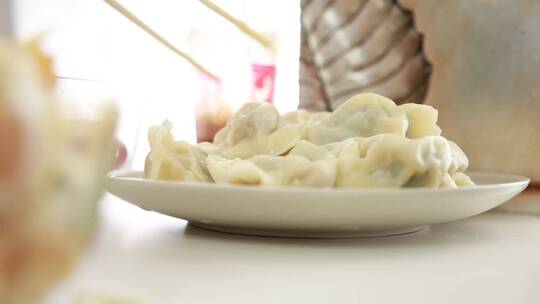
pixel 145 256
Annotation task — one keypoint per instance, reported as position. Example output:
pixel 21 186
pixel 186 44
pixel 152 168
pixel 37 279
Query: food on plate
pixel 368 142
pixel 178 160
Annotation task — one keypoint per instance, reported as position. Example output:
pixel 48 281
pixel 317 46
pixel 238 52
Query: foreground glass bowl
pixel 48 204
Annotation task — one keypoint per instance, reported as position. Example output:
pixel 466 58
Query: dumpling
pixel 389 160
pixel 249 122
pixel 462 180
pixel 173 160
pixel 367 142
pixel 366 115
pixel 310 151
pixel 422 120
pixel 290 170
pixel 460 162
pixel 237 171
pixel 254 130
pixel 302 119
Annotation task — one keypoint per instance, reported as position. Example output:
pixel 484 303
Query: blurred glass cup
pixel 48 206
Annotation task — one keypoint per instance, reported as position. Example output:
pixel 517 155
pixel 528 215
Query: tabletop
pixel 144 257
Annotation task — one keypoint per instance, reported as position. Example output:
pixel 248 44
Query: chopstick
pixel 124 11
pixel 263 40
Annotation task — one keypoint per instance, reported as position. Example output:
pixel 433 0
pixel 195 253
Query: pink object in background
pixel 264 79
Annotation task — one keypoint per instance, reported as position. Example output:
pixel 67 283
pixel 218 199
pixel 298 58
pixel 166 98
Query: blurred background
pixel 91 41
pixel 482 73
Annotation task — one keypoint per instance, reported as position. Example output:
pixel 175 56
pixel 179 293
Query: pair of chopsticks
pixel 239 24
pixel 263 40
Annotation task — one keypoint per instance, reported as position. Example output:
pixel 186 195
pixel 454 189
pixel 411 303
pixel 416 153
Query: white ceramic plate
pixel 309 212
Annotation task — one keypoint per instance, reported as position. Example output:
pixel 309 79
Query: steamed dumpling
pixel 254 130
pixel 367 142
pixel 366 115
pixel 290 170
pixel 389 160
pixel 301 117
pixel 249 122
pixel 174 160
pixel 311 151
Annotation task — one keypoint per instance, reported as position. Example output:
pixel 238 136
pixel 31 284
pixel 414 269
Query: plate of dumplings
pixel 370 168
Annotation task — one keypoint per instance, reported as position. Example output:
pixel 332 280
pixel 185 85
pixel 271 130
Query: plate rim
pixel 127 174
